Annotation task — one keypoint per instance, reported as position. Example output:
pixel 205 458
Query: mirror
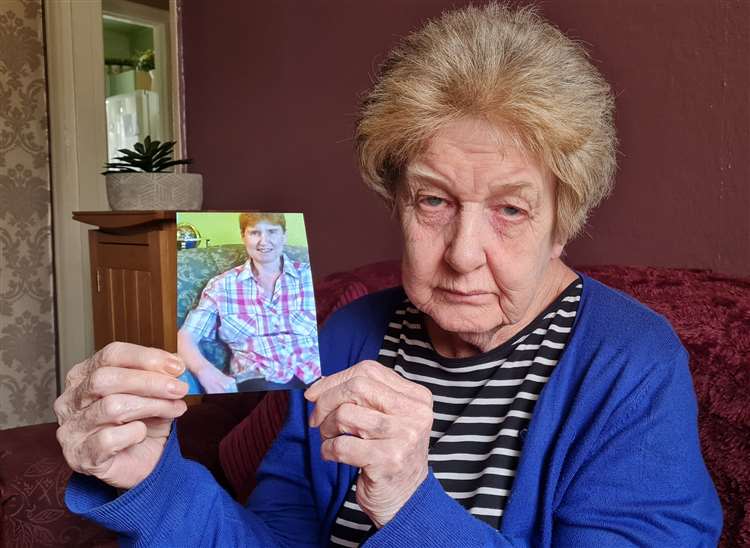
pixel 137 72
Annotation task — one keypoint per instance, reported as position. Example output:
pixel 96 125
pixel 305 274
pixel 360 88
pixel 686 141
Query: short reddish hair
pixel 252 219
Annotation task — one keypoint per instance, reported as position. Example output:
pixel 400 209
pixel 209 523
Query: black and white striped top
pixel 481 406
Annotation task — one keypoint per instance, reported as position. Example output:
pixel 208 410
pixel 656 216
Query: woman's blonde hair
pixel 511 68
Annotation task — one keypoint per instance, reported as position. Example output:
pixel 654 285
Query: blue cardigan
pixel 611 457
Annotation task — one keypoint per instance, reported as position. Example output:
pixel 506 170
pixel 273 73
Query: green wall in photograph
pixel 224 228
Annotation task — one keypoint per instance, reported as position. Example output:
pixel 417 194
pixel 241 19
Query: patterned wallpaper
pixel 27 344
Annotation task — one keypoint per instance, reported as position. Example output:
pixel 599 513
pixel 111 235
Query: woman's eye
pixel 432 201
pixel 510 211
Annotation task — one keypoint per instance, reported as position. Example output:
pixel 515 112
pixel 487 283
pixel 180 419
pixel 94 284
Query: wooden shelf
pixel 122 219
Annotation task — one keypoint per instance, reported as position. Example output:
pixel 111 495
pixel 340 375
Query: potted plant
pixel 145 63
pixel 144 60
pixel 138 179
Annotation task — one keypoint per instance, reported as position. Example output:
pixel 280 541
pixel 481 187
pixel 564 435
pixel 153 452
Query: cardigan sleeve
pixel 180 504
pixel 645 482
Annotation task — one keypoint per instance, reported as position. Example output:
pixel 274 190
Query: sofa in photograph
pixel 195 267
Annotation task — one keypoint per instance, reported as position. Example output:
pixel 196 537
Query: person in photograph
pixel 497 398
pixel 264 310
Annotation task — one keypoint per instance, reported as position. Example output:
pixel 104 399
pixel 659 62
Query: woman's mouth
pixel 465 296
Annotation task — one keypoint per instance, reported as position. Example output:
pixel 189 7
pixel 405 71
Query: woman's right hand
pixel 214 381
pixel 116 412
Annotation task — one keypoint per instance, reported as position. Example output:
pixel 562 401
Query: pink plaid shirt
pixel 271 336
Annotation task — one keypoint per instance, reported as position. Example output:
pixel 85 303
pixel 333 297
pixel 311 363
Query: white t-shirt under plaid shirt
pixel 273 336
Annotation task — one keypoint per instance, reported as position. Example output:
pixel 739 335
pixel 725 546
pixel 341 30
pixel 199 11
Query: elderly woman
pixel 263 310
pixel 498 399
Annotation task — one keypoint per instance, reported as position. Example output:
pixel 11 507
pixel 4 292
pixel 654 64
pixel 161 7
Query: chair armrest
pixel 33 475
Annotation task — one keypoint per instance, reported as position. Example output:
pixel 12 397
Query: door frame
pixel 160 23
pixel 78 151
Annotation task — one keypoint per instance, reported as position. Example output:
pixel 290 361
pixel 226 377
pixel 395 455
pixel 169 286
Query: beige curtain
pixel 27 344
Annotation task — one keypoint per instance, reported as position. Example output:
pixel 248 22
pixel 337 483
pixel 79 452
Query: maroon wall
pixel 271 95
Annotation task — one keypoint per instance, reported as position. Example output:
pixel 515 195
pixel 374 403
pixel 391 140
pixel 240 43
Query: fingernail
pixel 176 388
pixel 174 365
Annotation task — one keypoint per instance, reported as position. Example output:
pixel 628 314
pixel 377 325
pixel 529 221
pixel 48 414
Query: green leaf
pixel 119 171
pixel 166 146
pixel 140 162
pixel 120 164
pixel 164 165
pixel 127 154
pixel 164 153
pixel 152 146
pixel 149 156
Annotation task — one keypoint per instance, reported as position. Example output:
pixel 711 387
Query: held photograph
pixel 245 305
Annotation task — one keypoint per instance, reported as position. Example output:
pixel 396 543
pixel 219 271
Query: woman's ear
pixel 557 250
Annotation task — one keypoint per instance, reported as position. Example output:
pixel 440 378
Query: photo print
pixel 245 304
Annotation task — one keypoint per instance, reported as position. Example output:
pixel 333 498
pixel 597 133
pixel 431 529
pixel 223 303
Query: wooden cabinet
pixel 133 276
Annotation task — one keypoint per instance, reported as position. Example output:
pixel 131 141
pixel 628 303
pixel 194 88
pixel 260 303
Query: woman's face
pixel 264 242
pixel 478 219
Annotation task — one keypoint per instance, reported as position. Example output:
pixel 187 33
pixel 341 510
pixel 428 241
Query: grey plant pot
pixel 145 191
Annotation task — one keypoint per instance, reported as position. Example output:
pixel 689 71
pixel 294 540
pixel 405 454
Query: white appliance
pixel 130 118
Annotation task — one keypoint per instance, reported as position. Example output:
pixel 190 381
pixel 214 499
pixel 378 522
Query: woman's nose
pixel 465 249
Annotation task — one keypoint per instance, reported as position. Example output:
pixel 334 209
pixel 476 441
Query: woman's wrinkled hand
pixel 116 412
pixel 372 418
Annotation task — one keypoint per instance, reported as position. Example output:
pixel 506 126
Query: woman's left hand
pixel 373 418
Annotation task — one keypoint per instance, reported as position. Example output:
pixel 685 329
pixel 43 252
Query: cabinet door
pixel 126 292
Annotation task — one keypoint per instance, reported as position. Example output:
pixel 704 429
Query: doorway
pixel 77 86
